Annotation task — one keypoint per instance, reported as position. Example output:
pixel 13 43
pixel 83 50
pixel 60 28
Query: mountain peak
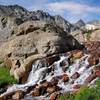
pixel 80 23
pixel 12 10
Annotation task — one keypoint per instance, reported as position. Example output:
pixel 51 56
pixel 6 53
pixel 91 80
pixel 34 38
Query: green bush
pixel 5 77
pixel 88 34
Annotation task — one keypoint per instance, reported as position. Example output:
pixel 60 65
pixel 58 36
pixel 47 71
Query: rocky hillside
pixel 35 43
pixel 12 16
pixel 24 34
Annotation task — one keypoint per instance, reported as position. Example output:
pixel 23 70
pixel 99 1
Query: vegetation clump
pixel 85 93
pixel 5 77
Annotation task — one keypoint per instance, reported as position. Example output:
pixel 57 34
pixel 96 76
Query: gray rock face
pixel 41 38
pixel 80 23
pixel 13 11
pixel 14 15
pixel 63 23
pixel 20 12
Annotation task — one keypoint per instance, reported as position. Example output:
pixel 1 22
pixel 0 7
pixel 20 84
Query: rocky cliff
pixel 26 33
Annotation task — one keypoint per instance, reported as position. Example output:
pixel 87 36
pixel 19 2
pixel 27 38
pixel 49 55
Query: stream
pixel 39 73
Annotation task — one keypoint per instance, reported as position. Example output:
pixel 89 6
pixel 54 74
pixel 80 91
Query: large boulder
pixel 52 40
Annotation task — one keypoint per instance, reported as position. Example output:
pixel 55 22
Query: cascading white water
pixel 38 73
pixel 34 77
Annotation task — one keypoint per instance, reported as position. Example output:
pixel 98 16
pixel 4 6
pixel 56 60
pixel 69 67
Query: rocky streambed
pixel 58 74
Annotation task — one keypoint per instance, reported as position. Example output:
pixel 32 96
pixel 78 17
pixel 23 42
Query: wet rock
pixel 54 81
pixel 76 86
pixel 2 90
pixel 43 81
pixel 18 95
pixel 93 59
pixel 65 78
pixel 49 84
pixel 63 63
pixel 31 88
pixel 64 68
pixel 49 70
pixel 45 84
pixel 77 54
pixel 97 72
pixel 54 95
pixel 35 93
pixel 40 89
pixel 90 78
pixel 75 75
pixel 52 89
pixel 50 60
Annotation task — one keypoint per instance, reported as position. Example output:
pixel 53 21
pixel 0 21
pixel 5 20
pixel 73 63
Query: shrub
pixel 88 34
pixel 5 77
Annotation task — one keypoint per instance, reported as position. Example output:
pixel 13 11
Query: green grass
pixel 67 96
pixel 1 61
pixel 85 93
pixel 88 34
pixel 5 77
pixel 88 94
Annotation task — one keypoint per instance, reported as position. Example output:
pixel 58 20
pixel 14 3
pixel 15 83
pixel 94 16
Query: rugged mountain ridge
pixel 26 34
pixel 14 15
pixel 20 12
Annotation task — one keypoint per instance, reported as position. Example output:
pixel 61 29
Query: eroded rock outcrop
pixel 35 38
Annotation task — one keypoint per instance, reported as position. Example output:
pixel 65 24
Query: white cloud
pixel 37 4
pixel 72 7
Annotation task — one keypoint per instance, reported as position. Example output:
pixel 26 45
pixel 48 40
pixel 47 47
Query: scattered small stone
pixel 65 78
pixel 18 95
pixel 75 75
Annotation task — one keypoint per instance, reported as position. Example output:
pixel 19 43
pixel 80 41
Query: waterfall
pixel 39 72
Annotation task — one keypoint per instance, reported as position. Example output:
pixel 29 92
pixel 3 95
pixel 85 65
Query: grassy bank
pixel 85 93
pixel 5 77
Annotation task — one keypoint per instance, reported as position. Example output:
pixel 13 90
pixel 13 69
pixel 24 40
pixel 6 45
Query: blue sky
pixel 71 10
